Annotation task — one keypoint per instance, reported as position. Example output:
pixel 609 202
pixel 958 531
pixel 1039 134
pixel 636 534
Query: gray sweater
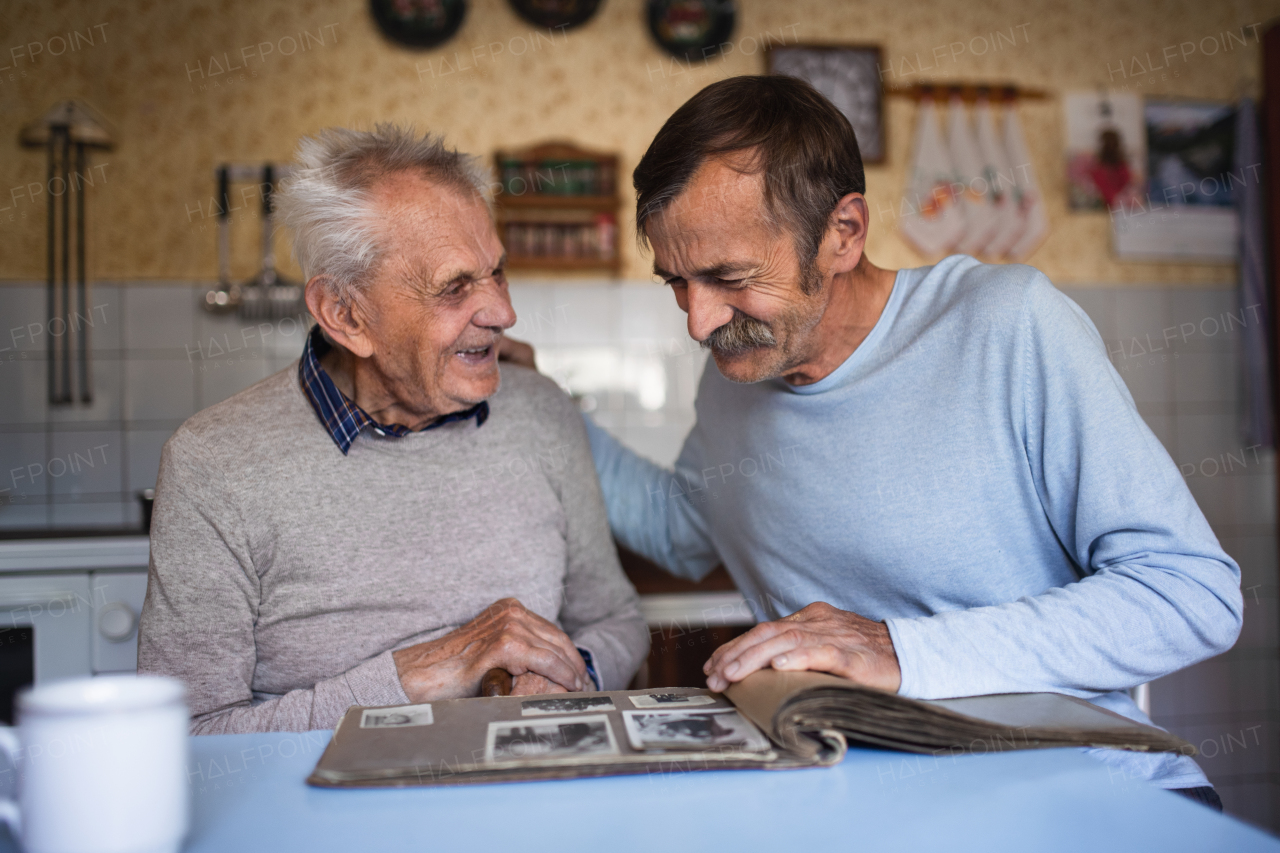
pixel 283 574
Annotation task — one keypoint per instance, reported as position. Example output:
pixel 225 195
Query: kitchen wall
pixel 151 70
pixel 159 73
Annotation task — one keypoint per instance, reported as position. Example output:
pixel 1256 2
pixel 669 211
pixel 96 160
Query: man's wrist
pixel 887 657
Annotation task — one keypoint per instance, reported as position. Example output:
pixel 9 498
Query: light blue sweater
pixel 977 476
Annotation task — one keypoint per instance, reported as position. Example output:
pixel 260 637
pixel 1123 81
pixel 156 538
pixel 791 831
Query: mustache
pixel 739 335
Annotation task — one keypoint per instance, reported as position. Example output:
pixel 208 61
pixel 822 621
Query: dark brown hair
pixel 800 142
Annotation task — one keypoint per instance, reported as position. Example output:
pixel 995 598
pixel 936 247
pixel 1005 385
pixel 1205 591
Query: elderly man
pixel 930 481
pixel 380 524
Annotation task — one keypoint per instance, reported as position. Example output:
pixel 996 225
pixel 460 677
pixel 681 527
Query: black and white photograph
pixel 402 717
pixel 671 700
pixel 693 730
pixel 560 738
pixel 568 705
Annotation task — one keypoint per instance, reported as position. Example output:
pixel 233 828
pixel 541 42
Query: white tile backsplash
pixel 536 318
pixel 218 379
pixel 106 321
pixel 159 389
pixel 107 379
pixel 1099 304
pixel 1207 376
pixel 82 515
pixel 88 463
pixel 648 312
pixel 159 317
pixel 143 450
pixel 24 319
pixel 1139 311
pixel 585 316
pixel 24 390
pixel 23 456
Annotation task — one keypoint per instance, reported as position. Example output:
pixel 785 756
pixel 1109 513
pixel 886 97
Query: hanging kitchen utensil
pixel 267 295
pixel 66 132
pixel 226 298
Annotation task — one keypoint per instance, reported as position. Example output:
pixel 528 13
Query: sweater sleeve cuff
pixel 376 682
pixel 909 647
pixel 589 660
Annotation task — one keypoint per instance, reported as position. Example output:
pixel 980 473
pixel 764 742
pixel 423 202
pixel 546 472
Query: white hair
pixel 326 199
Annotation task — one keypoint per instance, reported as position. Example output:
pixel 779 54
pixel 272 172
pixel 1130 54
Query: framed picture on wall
pixel 1188 211
pixel 848 75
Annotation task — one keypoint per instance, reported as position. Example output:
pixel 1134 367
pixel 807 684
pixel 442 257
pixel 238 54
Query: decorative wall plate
pixel 555 14
pixel 690 29
pixel 419 23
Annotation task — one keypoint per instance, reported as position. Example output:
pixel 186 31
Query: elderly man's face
pixel 438 303
pixel 737 277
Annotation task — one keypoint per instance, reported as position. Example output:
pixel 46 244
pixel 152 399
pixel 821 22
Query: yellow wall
pixel 604 85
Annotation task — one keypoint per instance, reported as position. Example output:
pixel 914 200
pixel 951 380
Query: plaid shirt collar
pixel 344 419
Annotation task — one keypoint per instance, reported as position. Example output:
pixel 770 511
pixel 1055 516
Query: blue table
pixel 249 795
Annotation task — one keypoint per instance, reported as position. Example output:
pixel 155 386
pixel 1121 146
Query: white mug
pixel 102 766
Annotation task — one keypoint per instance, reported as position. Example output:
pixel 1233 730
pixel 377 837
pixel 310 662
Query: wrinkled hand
pixel 819 638
pixel 505 634
pixel 516 352
pixel 532 684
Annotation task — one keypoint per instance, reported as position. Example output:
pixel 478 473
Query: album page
pixel 803 710
pixel 545 737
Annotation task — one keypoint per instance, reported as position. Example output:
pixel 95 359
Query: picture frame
pixel 849 76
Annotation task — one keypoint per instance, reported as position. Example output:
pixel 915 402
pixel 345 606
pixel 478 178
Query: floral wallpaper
pixel 188 84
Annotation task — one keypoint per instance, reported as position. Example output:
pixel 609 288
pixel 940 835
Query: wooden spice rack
pixel 557 208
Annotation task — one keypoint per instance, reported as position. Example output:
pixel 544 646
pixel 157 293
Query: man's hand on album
pixel 820 638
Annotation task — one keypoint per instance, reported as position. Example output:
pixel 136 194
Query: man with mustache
pixel 380 523
pixel 930 481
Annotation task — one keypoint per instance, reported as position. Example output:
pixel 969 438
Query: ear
pixel 345 322
pixel 847 233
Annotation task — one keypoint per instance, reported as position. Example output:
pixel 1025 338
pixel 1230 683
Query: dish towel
pixel 1001 182
pixel 930 218
pixel 980 222
pixel 1035 219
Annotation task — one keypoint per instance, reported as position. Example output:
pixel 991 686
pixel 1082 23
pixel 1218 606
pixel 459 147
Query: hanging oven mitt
pixel 1001 182
pixel 1031 205
pixel 979 214
pixel 930 219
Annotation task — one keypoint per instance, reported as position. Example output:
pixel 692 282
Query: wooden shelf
pixel 586 222
pixel 558 202
pixel 524 262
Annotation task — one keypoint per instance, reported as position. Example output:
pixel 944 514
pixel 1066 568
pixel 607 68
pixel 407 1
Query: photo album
pixel 770 720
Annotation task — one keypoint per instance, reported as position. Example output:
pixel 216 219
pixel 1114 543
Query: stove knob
pixel 116 621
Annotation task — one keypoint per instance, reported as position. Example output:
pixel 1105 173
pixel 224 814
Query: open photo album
pixel 770 720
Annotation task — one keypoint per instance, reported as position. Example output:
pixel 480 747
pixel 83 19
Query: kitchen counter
pixel 94 553
pixel 679 605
